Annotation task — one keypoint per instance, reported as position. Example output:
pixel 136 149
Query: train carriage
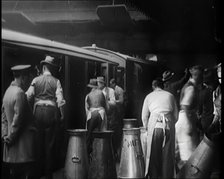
pixel 78 65
pixel 134 75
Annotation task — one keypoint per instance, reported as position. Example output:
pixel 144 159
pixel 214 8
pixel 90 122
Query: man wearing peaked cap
pixel 20 68
pixel 95 106
pixel 47 94
pixel 18 129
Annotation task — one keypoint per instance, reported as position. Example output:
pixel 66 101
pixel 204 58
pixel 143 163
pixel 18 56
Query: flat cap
pixel 51 61
pixel 92 83
pixel 18 68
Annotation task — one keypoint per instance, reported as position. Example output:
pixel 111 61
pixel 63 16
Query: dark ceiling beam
pixel 62 11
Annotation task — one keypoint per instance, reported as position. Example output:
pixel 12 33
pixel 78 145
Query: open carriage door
pixel 120 77
pixel 109 70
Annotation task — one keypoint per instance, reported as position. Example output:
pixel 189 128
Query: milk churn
pixel 130 123
pixel 132 161
pixel 76 162
pixel 200 163
pixel 143 138
pixel 102 162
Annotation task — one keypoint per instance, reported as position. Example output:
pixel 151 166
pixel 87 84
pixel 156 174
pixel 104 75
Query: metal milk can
pixel 102 162
pixel 129 123
pixel 200 164
pixel 76 162
pixel 132 163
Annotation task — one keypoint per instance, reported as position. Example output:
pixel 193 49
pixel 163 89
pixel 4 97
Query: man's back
pixel 96 99
pixel 160 101
pixel 45 87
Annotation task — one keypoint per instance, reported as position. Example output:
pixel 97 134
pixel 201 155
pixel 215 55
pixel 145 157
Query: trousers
pixel 161 164
pixel 46 122
pixel 92 124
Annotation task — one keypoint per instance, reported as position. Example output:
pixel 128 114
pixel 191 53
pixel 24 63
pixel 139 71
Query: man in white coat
pixel 159 114
pixel 187 134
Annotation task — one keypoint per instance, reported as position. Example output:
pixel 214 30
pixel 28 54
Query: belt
pixel 45 105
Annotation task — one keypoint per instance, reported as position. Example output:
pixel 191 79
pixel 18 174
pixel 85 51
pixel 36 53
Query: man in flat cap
pixel 187 134
pixel 48 100
pixel 95 106
pixel 18 129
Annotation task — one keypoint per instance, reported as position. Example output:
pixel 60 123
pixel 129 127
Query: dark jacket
pixel 205 107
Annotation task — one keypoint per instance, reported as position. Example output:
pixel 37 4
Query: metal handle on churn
pixel 76 159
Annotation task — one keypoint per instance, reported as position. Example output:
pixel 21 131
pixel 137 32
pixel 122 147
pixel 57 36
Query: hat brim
pixel 91 86
pixel 101 81
pixel 45 62
pixel 168 78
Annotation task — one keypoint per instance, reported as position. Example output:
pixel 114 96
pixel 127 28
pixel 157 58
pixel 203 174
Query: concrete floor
pixel 59 173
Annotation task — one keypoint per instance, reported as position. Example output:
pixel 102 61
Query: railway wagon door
pixel 75 91
pixel 120 77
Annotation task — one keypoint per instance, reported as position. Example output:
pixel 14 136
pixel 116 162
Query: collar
pixel 47 73
pixel 157 89
pixel 14 83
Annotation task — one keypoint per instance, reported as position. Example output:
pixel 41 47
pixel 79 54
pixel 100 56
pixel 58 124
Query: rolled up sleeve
pixel 31 91
pixel 145 113
pixel 4 123
pixel 59 95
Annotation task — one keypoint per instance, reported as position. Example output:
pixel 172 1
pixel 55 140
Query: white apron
pixel 186 134
pixel 103 115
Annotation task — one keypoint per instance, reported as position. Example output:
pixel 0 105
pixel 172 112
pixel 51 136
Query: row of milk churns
pixel 102 164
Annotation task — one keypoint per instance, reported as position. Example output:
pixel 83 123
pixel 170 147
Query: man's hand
pixel 6 140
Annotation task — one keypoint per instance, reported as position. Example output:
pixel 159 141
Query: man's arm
pixel 187 98
pixel 30 93
pixel 175 109
pixel 4 123
pixel 145 113
pixel 86 105
pixel 177 85
pixel 60 99
pixel 120 97
pixel 112 100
